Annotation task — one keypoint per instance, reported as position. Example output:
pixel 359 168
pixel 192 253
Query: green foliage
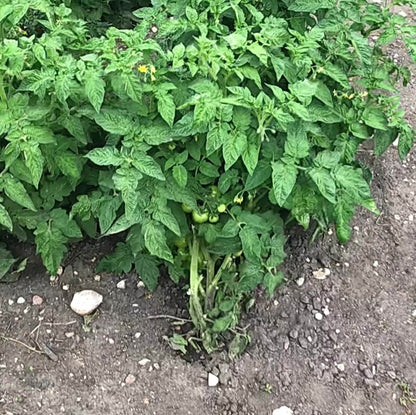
pixel 196 127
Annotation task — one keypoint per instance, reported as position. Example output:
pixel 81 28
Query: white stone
pixel 321 273
pixel 375 264
pixel 212 380
pixel 130 379
pixel 65 287
pixel 414 313
pixel 300 281
pixel 11 302
pixel 69 334
pixel 85 302
pixel 144 362
pixel 319 316
pixel 121 284
pixel 140 284
pixel 340 367
pixel 21 300
pixel 97 278
pixel 137 335
pixel 111 341
pixel 37 300
pixel 283 410
pixel 325 310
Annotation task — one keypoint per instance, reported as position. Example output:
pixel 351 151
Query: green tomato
pixel 221 208
pixel 214 191
pixel 213 218
pixel 199 217
pixel 181 243
pixel 186 208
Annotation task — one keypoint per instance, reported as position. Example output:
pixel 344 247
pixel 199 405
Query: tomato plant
pixel 197 127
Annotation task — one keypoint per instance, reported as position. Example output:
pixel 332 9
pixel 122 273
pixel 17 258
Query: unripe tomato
pixel 181 243
pixel 186 208
pixel 214 191
pixel 199 217
pixel 221 208
pixel 214 218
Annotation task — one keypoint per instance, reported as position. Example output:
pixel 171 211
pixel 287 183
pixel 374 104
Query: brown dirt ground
pixel 350 363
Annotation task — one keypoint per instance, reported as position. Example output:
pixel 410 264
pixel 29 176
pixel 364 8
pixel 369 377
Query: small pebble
pixel 212 380
pixel 85 302
pixel 20 300
pixel 411 217
pixel 137 335
pixel 413 312
pixel 283 410
pixel 121 284
pixel 340 367
pixel 11 302
pixel 368 373
pixel 156 366
pixel 325 310
pixel 60 271
pixel 97 278
pixel 319 316
pixel 129 379
pixel 140 284
pixel 144 362
pixel 37 300
pixel 65 287
pixel 69 334
pixel 375 264
pixel 111 341
pixel 300 281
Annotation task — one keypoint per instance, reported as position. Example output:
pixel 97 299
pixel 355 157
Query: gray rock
pixel 293 334
pixel 303 342
pixel 333 336
pixel 85 302
pixel 304 299
pixel 368 373
pixel 225 373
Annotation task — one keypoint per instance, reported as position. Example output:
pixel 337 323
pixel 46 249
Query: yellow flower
pixel 142 68
pixel 238 199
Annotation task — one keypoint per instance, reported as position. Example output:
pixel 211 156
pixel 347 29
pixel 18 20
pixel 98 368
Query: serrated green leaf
pixel 336 73
pixel 237 39
pixel 260 175
pixel 375 118
pixel 5 218
pixel 147 165
pixel 105 156
pixel 180 174
pixel 118 262
pixel 15 190
pixel 310 6
pixel 166 108
pixel 406 140
pixel 94 89
pixel 251 244
pixel 234 147
pixel 155 241
pixel 70 164
pixel 383 139
pixel 328 159
pixel 148 270
pixel 344 211
pixel 216 137
pixel 296 144
pixel 325 183
pixel 34 161
pixel 50 244
pixel 283 179
pixel 272 280
pixel 114 122
pixel 165 216
pixel 6 262
pixel 256 49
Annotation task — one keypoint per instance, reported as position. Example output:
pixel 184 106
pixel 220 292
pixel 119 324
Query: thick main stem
pixel 195 308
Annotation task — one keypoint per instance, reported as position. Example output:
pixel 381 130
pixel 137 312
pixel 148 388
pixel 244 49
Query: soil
pixel 356 360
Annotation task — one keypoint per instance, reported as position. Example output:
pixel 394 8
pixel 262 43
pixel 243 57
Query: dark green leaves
pixel 95 89
pixel 155 241
pixel 15 190
pixel 147 268
pixel 283 179
pixel 106 156
pixel 297 144
pixel 325 183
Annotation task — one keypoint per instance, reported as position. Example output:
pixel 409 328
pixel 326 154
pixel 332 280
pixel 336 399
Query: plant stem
pixel 3 96
pixel 211 289
pixel 195 308
pixel 210 273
